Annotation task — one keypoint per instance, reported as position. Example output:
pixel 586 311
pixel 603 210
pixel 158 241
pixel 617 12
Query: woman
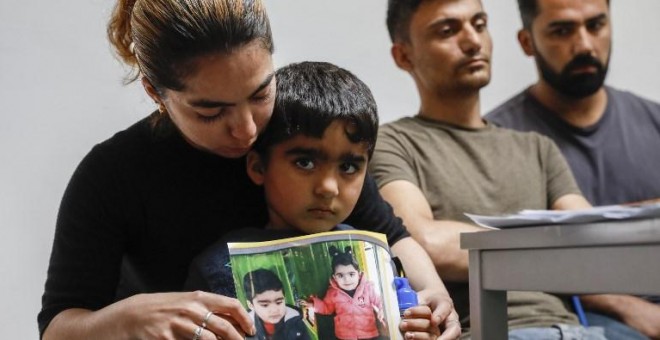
pixel 142 204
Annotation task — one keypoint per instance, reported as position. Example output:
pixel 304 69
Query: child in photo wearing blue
pixel 273 319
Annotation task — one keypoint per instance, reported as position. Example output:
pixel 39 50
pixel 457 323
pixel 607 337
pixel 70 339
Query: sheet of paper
pixel 547 217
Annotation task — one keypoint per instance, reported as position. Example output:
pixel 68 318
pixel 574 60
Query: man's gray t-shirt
pixel 616 160
pixel 483 171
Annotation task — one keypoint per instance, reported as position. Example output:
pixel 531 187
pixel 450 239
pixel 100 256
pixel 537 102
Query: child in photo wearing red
pixel 352 298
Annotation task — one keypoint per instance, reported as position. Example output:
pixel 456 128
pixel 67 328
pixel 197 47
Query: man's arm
pixel 633 311
pixel 440 239
pixel 637 313
pixel 571 202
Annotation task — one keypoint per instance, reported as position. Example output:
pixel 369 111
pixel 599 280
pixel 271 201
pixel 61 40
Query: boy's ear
pixel 526 43
pixel 250 305
pixel 255 168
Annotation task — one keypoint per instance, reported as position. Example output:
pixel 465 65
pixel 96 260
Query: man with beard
pixel 446 160
pixel 609 137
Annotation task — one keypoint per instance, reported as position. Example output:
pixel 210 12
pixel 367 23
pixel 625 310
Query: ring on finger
pixel 206 318
pixel 198 333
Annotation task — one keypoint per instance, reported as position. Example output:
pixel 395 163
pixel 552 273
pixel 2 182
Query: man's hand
pixel 636 312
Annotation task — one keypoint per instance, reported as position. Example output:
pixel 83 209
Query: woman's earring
pixel 161 108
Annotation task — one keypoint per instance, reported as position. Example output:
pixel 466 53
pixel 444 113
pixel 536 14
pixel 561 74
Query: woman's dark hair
pixel 312 95
pixel 161 39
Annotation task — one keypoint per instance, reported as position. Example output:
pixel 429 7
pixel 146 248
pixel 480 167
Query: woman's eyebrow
pixel 210 104
pixel 263 84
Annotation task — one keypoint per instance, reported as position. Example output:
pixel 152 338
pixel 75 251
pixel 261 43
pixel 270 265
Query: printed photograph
pixel 335 285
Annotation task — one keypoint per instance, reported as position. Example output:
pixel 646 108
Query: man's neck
pixel 582 112
pixel 458 109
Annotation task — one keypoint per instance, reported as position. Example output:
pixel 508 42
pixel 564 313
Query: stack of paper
pixel 546 217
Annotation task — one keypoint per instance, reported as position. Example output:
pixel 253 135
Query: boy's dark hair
pixel 399 13
pixel 312 95
pixel 344 259
pixel 529 9
pixel 259 281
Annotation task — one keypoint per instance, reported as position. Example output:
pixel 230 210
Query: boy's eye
pixel 305 163
pixel 349 168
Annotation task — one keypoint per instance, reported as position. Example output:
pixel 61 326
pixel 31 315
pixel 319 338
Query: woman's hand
pixel 157 316
pixel 178 315
pixel 443 315
pixel 430 289
pixel 418 323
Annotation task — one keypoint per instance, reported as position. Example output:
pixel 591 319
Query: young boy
pixel 273 319
pixel 312 161
pixel 312 157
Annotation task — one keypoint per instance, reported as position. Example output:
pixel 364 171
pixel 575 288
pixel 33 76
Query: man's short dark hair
pixel 259 281
pixel 529 9
pixel 312 95
pixel 399 13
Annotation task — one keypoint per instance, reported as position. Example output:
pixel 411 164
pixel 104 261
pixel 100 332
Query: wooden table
pixel 607 257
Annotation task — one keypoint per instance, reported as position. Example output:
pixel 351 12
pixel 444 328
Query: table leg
pixel 488 314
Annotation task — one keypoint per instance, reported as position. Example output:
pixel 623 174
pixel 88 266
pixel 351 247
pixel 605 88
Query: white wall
pixel 61 92
pixel 352 34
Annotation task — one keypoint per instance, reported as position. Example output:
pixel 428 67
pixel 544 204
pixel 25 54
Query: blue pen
pixel 577 305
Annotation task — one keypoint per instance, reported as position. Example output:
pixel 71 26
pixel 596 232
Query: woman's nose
pixel 243 127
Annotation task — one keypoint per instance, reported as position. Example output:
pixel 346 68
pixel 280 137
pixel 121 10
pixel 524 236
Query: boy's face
pixel 269 306
pixel 347 277
pixel 312 184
